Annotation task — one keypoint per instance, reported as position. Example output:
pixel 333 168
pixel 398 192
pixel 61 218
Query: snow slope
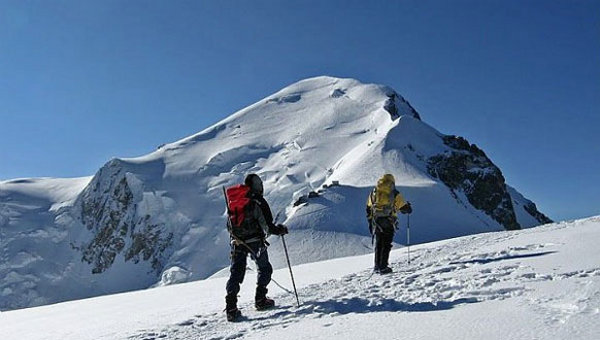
pixel 34 248
pixel 538 283
pixel 159 219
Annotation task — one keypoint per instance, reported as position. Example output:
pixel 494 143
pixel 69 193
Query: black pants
pixel 384 235
pixel 237 269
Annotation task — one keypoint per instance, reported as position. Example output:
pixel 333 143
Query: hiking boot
pixel 261 301
pixel 376 270
pixel 231 307
pixel 385 270
pixel 263 304
pixel 233 314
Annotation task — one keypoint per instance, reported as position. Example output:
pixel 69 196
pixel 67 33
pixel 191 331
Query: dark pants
pixel 384 235
pixel 237 269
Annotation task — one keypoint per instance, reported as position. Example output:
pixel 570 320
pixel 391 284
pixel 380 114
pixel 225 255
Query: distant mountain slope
pixel 34 241
pixel 319 145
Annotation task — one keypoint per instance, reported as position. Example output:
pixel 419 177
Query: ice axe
pixel 287 257
pixel 408 236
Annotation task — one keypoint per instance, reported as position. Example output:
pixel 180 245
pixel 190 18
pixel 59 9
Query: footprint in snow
pixel 186 323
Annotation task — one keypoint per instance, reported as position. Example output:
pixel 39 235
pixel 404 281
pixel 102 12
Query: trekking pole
pixel 290 267
pixel 408 236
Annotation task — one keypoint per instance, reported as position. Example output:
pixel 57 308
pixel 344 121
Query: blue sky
pixel 84 81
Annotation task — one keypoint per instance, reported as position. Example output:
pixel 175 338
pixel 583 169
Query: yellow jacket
pixel 399 202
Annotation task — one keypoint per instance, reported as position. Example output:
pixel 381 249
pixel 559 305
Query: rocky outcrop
pixel 396 103
pixel 148 244
pixel 531 208
pixel 465 167
pixel 109 211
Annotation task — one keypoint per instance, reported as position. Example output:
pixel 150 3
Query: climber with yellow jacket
pixel 383 205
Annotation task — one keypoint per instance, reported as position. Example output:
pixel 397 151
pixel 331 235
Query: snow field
pixel 491 278
pixel 539 283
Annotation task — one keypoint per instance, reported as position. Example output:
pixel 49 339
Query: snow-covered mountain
pixel 538 283
pixel 319 145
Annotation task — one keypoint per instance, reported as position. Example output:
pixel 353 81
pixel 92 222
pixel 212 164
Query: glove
pixel 280 229
pixel 406 209
pixel 284 229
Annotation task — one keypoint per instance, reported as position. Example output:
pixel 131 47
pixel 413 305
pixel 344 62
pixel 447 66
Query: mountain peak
pixel 335 87
pixel 319 145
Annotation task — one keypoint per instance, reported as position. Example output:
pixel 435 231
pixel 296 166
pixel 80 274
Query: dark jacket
pixel 265 209
pixel 266 213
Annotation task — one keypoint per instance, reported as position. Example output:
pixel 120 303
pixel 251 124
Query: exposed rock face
pixel 531 208
pixel 395 104
pixel 108 210
pixel 468 169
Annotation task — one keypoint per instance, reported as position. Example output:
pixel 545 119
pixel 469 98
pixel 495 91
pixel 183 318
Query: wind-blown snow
pixel 538 283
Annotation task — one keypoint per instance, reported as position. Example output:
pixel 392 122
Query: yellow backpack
pixel 382 198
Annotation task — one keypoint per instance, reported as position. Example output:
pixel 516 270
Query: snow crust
pixel 537 283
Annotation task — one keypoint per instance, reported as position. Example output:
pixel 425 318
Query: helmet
pixel 388 178
pixel 255 183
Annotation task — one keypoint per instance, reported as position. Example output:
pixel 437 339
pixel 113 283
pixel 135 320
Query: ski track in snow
pixel 439 278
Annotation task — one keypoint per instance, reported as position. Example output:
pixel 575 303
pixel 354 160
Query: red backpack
pixel 237 205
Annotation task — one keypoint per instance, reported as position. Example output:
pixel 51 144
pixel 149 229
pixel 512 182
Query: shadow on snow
pixel 502 258
pixel 361 306
pixel 358 305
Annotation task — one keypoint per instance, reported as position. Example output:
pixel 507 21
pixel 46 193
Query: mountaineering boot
pixel 233 313
pixel 261 301
pixel 385 270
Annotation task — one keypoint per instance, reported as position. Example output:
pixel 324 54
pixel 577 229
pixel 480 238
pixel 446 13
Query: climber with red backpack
pixel 383 205
pixel 249 222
